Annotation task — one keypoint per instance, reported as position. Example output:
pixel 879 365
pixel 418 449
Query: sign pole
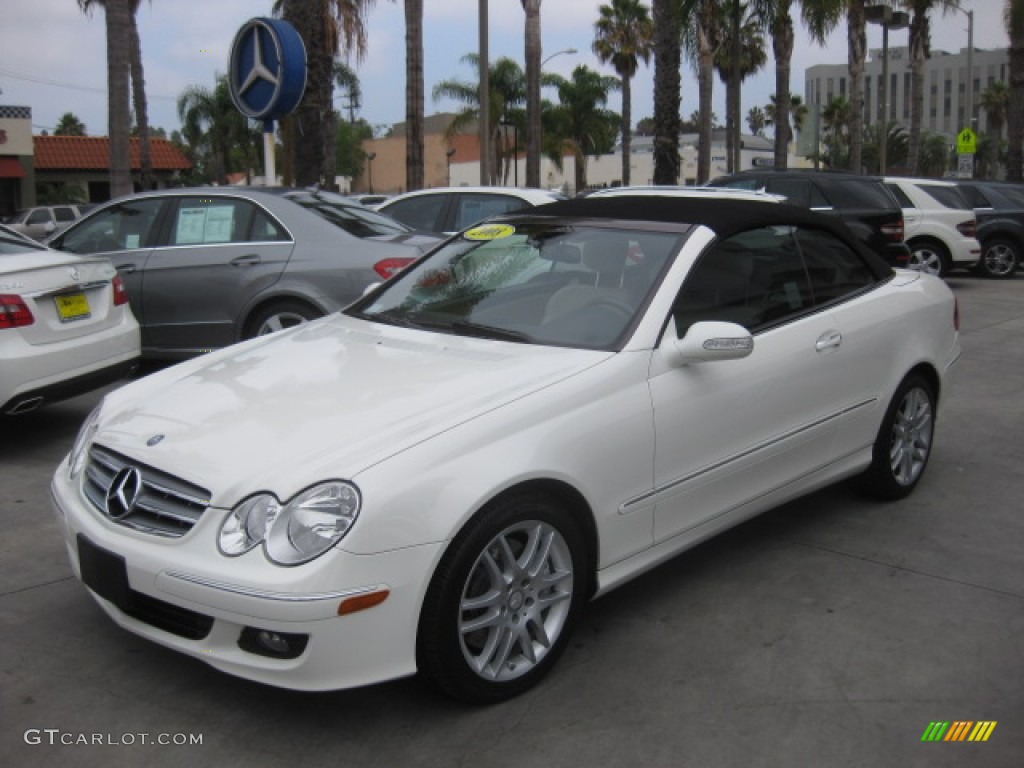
pixel 269 161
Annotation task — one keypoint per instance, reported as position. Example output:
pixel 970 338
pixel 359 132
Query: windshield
pixel 355 219
pixel 530 281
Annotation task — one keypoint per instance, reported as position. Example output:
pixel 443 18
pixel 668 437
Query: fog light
pixel 276 645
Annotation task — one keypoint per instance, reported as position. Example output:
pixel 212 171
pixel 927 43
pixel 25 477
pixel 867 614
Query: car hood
pixel 323 401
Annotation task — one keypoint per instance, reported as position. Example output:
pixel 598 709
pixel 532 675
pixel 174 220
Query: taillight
pixel 894 230
pixel 14 312
pixel 956 314
pixel 968 228
pixel 390 267
pixel 120 294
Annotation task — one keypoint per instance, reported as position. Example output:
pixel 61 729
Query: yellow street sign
pixel 966 142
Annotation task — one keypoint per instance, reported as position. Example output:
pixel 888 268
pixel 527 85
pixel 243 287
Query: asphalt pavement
pixel 829 632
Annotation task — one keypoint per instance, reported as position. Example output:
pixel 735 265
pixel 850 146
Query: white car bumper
pixel 197 587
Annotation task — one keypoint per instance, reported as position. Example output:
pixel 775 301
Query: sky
pixel 53 57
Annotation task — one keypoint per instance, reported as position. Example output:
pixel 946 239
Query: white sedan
pixel 65 325
pixel 438 478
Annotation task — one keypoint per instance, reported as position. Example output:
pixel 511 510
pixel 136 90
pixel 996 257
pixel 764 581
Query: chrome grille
pixel 165 505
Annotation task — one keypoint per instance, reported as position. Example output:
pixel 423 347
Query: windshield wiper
pixel 467 328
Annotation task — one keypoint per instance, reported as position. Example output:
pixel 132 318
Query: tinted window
pixel 901 196
pixel 948 197
pixel 420 212
pixel 975 197
pixel 38 216
pixel 353 218
pixel 120 227
pixel 1013 197
pixel 834 269
pixel 860 193
pixel 796 191
pixel 473 207
pixel 210 220
pixel 265 229
pixel 64 214
pixel 755 278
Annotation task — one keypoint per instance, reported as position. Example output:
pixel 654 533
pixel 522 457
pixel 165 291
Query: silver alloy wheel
pixel 1000 259
pixel 279 321
pixel 911 436
pixel 516 600
pixel 924 258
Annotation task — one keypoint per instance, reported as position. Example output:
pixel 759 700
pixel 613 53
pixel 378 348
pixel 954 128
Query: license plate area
pixel 105 573
pixel 72 306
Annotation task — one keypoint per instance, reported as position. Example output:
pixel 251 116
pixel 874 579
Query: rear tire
pixel 904 442
pixel 501 606
pixel 930 256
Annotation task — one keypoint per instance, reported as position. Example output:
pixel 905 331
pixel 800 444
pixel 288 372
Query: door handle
pixel 127 269
pixel 828 340
pixel 246 261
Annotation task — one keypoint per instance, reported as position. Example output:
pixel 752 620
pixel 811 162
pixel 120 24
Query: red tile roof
pixel 64 153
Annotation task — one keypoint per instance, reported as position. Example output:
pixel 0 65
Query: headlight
pixel 76 460
pixel 295 533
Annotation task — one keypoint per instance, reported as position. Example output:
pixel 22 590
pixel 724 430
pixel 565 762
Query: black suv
pixel 999 208
pixel 861 202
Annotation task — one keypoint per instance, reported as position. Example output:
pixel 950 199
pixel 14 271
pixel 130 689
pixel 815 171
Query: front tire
pixel 502 603
pixel 279 316
pixel 904 442
pixel 1000 258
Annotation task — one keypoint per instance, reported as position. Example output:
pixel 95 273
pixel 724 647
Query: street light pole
pixel 558 53
pixel 969 109
pixel 888 19
pixel 485 100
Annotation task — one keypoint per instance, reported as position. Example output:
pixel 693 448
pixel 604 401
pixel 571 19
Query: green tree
pixel 933 155
pixel 752 58
pixel 349 151
pixel 581 120
pixel 220 137
pixel 1013 16
pixel 835 119
pixel 119 16
pixel 624 36
pixel 857 40
pixel 756 121
pixel 69 125
pixel 797 112
pixel 703 34
pixel 897 144
pixel 668 24
pixel 506 95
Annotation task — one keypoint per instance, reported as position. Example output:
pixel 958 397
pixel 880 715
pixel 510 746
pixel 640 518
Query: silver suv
pixel 938 224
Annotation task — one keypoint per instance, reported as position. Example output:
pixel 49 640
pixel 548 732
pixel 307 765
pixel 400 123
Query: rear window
pixel 975 197
pixel 948 197
pixel 861 193
pixel 351 217
pixel 1013 196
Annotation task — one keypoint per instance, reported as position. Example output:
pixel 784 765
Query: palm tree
pixel 756 120
pixel 119 15
pixel 414 108
pixel 667 17
pixel 69 125
pixel 623 35
pixel 702 37
pixel 797 112
pixel 897 143
pixel 835 118
pixel 506 93
pixel 213 127
pixel 326 28
pixel 752 59
pixel 1013 15
pixel 933 156
pixel 857 39
pixel 994 101
pixel 533 82
pixel 820 17
pixel 580 118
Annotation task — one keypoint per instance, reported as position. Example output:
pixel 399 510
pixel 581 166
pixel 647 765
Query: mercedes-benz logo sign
pixel 124 491
pixel 74 274
pixel 267 69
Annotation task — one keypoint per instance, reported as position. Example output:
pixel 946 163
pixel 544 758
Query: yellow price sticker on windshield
pixel 489 232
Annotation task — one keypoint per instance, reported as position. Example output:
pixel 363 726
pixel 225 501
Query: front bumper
pixel 183 594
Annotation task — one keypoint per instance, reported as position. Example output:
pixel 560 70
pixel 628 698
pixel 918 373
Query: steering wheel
pixel 617 306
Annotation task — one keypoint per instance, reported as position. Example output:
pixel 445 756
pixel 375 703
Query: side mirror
pixel 49 227
pixel 708 341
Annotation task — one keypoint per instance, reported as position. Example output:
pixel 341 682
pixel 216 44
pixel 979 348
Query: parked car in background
pixel 447 210
pixel 439 477
pixel 46 220
pixel 370 200
pixel 939 225
pixel 999 207
pixel 207 267
pixel 65 325
pixel 861 202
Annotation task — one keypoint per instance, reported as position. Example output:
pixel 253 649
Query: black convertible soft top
pixel 723 216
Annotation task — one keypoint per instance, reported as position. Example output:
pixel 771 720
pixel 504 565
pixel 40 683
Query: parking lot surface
pixel 829 632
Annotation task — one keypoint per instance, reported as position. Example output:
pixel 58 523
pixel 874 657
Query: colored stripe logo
pixel 959 730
